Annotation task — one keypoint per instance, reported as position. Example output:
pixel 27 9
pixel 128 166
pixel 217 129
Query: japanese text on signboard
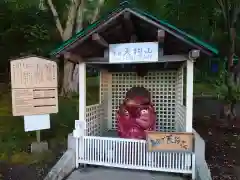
pixel 133 52
pixel 34 86
pixel 170 141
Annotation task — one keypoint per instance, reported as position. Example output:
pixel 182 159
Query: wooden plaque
pixel 34 86
pixel 172 141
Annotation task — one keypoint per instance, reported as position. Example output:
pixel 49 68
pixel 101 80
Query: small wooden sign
pixel 34 86
pixel 171 141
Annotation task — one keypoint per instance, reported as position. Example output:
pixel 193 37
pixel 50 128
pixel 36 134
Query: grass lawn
pixel 200 89
pixel 15 142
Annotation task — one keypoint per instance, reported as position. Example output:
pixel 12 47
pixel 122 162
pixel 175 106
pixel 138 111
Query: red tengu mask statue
pixel 136 114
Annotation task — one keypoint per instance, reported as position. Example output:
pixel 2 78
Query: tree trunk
pixel 228 111
pixel 70 83
pixel 231 115
pixel 71 74
pixel 230 12
pixel 75 19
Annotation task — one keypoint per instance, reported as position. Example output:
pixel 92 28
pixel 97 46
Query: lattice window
pixel 179 86
pixel 180 117
pixel 94 117
pixel 104 80
pixel 162 88
pixel 104 95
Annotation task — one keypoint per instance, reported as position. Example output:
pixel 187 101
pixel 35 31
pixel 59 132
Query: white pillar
pixel 82 114
pixel 189 95
pixel 82 91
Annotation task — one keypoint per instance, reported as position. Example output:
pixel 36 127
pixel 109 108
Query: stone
pixel 71 142
pixel 38 147
pixel 64 166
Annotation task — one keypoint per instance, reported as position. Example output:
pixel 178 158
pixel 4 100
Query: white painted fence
pixel 132 154
pixel 112 152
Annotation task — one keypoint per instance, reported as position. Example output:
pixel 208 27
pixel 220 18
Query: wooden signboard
pixel 172 141
pixel 34 86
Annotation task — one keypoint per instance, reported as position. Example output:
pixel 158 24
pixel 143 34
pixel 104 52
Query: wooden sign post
pixel 34 86
pixel 170 141
pixel 34 94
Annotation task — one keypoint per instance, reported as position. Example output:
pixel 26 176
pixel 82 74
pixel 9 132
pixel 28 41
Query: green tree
pixel 69 18
pixel 230 14
pixel 24 30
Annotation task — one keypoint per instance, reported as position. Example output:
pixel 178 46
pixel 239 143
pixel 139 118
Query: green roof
pixel 124 5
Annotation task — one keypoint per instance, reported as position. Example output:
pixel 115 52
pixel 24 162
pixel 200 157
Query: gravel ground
pixel 28 172
pixel 222 146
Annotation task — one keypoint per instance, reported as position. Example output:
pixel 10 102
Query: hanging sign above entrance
pixel 34 86
pixel 133 52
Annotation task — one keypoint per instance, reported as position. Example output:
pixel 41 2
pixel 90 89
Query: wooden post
pixel 38 134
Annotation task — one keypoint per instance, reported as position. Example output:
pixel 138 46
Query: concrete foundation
pixel 71 142
pixel 38 147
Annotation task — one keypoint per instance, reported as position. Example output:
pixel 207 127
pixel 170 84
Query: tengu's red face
pixel 135 116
